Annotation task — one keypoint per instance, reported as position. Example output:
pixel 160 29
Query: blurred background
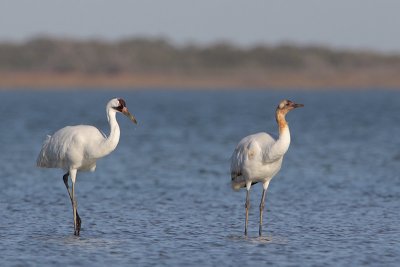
pixel 202 44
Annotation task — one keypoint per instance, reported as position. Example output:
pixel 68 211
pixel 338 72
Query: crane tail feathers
pixel 237 185
pixel 42 160
pixel 238 181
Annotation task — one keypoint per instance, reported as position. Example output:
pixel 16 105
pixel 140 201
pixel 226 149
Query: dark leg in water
pixel 78 223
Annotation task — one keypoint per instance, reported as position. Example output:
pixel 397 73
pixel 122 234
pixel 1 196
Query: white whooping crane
pixel 76 148
pixel 258 157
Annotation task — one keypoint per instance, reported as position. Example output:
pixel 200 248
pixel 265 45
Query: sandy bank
pixel 222 80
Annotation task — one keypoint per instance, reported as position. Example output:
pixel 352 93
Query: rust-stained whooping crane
pixel 258 157
pixel 76 148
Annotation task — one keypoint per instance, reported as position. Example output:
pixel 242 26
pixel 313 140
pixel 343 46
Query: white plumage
pixel 72 147
pixel 76 148
pixel 258 158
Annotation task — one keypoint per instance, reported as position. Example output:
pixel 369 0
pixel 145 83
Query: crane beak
pixel 298 105
pixel 129 115
pixel 295 105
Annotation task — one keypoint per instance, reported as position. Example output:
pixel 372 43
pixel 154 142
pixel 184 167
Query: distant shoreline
pixel 223 80
pixel 51 63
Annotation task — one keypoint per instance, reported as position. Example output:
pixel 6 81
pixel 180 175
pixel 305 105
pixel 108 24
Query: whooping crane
pixel 258 157
pixel 76 148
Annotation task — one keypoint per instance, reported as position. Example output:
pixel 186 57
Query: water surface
pixel 163 197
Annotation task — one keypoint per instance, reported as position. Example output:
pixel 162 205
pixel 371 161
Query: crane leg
pixel 247 206
pixel 77 227
pixel 262 204
pixel 78 219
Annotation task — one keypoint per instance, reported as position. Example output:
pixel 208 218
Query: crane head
pixel 287 105
pixel 119 105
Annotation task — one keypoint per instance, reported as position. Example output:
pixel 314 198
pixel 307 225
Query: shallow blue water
pixel 163 197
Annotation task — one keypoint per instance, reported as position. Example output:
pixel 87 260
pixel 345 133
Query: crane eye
pixel 289 103
pixel 119 108
pixel 121 102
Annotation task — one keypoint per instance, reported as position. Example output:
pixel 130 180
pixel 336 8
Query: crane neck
pixel 113 137
pixel 281 120
pixel 111 141
pixel 282 144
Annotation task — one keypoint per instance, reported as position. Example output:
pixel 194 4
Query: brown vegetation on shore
pixel 140 63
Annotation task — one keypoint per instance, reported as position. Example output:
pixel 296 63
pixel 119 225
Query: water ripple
pixel 163 198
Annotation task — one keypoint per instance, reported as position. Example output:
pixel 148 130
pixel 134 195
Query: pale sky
pixel 366 24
